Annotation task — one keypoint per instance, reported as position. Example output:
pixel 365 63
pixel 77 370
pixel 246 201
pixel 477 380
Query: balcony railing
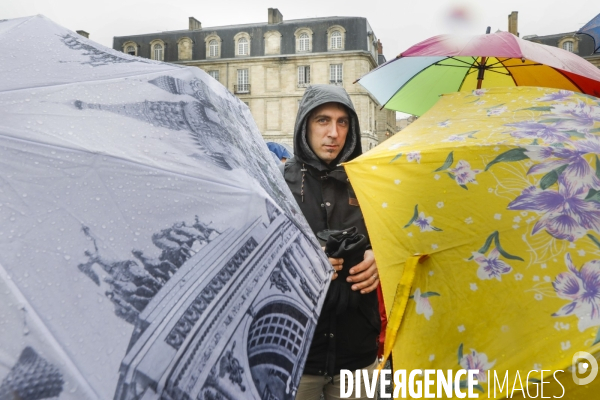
pixel 242 89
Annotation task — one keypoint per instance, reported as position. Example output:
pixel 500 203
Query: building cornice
pixel 278 57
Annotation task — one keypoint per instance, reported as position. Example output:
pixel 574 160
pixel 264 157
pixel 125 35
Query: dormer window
pixel 130 48
pixel 336 40
pixel 303 40
pixel 213 48
pixel 243 47
pixel 242 44
pixel 568 46
pixel 157 50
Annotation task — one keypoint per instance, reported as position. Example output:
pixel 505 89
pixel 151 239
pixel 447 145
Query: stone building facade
pixel 270 65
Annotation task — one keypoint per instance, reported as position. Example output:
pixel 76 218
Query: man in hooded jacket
pixel 326 134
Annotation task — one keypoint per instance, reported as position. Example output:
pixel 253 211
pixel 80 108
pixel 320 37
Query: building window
pixel 335 74
pixel 130 48
pixel 158 52
pixel 336 35
pixel 243 85
pixel 336 40
pixel 303 42
pixel 243 47
pixel 568 45
pixel 214 74
pixel 213 46
pixel 303 76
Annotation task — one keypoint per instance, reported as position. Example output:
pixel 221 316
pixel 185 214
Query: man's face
pixel 328 126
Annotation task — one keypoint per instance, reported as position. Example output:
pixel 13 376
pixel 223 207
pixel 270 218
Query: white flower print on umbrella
pixel 414 156
pixel 556 96
pixel 582 288
pixel 491 266
pixel 422 221
pixel 423 304
pixel 475 360
pixel 496 110
pixel 461 137
pixel 463 173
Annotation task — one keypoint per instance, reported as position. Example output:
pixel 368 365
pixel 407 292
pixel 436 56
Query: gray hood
pixel 315 96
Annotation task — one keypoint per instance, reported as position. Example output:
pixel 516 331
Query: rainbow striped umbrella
pixel 413 81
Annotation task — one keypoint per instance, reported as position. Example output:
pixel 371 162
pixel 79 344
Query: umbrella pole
pixel 481 68
pixel 482 64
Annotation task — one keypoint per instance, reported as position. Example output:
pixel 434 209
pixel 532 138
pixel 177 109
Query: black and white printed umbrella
pixel 149 247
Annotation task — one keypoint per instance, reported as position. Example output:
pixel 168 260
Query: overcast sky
pixel 397 23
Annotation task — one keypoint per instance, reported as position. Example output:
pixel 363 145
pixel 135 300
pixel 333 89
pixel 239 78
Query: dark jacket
pixel 327 200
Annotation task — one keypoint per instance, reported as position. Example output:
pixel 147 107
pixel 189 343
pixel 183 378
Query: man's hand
pixel 336 263
pixel 364 275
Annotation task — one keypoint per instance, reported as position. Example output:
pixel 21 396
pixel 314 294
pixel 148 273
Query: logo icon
pixel 583 363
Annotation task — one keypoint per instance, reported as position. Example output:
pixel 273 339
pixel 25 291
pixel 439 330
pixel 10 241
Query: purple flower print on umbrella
pixel 479 92
pixel 582 289
pixel 423 304
pixel 461 137
pixel 578 116
pixel 491 267
pixel 422 221
pixel 474 360
pixel 589 144
pixel 454 138
pixel 414 156
pixel 535 130
pixel 556 96
pixel 566 213
pixel 463 173
pixel 445 124
pixel 570 165
pixel 497 110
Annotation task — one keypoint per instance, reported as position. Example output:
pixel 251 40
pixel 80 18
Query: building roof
pixel 585 43
pixel 357 31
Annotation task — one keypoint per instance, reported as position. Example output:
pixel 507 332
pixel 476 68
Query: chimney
pixel 513 23
pixel 84 34
pixel 379 47
pixel 275 16
pixel 195 24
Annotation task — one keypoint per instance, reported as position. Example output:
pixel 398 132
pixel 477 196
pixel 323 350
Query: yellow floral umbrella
pixel 500 188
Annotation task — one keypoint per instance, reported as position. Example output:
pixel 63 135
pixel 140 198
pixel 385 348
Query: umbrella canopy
pixel 279 150
pixel 500 189
pixel 149 248
pixel 413 81
pixel 592 29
